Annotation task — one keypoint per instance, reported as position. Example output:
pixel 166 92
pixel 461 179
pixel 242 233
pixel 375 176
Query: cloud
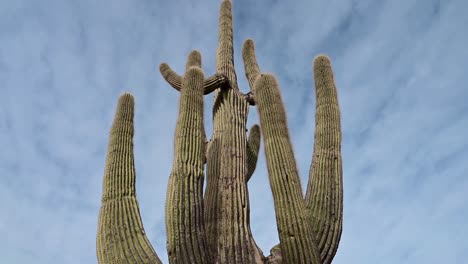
pixel 399 67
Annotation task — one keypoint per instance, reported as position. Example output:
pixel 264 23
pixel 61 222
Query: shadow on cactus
pixel 214 226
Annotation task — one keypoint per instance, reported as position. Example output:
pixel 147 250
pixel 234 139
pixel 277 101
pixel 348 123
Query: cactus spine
pixel 214 227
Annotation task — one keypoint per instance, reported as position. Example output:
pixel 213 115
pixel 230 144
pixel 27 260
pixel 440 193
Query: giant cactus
pixel 214 227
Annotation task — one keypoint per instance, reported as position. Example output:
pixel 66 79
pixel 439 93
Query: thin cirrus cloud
pixel 399 67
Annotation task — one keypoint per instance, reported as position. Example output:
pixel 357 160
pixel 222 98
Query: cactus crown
pixel 214 227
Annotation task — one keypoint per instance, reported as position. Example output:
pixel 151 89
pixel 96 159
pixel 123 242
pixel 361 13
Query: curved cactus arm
pixel 186 238
pixel 211 197
pixel 252 71
pixel 121 237
pixel 175 80
pixel 297 239
pixel 295 232
pixel 253 146
pixel 324 196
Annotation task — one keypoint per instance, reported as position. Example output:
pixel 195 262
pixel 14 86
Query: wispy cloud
pixel 400 67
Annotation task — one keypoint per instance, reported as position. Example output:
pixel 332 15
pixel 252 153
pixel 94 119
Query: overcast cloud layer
pixel 400 67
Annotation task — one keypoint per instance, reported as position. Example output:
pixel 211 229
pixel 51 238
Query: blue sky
pixel 400 67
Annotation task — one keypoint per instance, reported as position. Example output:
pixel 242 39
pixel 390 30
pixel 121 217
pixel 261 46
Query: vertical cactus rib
pixel 295 232
pixel 253 146
pixel 324 197
pixel 225 50
pixel 186 239
pixel 121 237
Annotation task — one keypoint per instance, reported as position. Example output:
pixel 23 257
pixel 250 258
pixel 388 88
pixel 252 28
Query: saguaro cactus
pixel 214 227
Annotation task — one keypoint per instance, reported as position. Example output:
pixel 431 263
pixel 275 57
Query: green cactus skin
pixel 323 205
pixel 121 237
pixel 295 232
pixel 214 227
pixel 324 196
pixel 228 210
pixel 253 147
pixel 186 242
pixel 175 80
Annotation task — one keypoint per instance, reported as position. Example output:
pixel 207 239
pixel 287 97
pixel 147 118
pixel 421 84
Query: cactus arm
pixel 296 237
pixel 252 71
pixel 211 197
pixel 121 237
pixel 186 239
pixel 214 82
pixel 324 196
pixel 175 80
pixel 225 50
pixel 275 255
pixel 253 146
pixel 295 231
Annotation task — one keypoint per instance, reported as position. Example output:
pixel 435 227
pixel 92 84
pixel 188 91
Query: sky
pixel 401 71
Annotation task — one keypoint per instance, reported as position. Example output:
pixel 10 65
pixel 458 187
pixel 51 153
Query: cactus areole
pixel 214 226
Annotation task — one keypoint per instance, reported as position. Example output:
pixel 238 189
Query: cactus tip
pixel 163 67
pixel 126 96
pixel 194 59
pixel 255 128
pixel 249 43
pixel 322 60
